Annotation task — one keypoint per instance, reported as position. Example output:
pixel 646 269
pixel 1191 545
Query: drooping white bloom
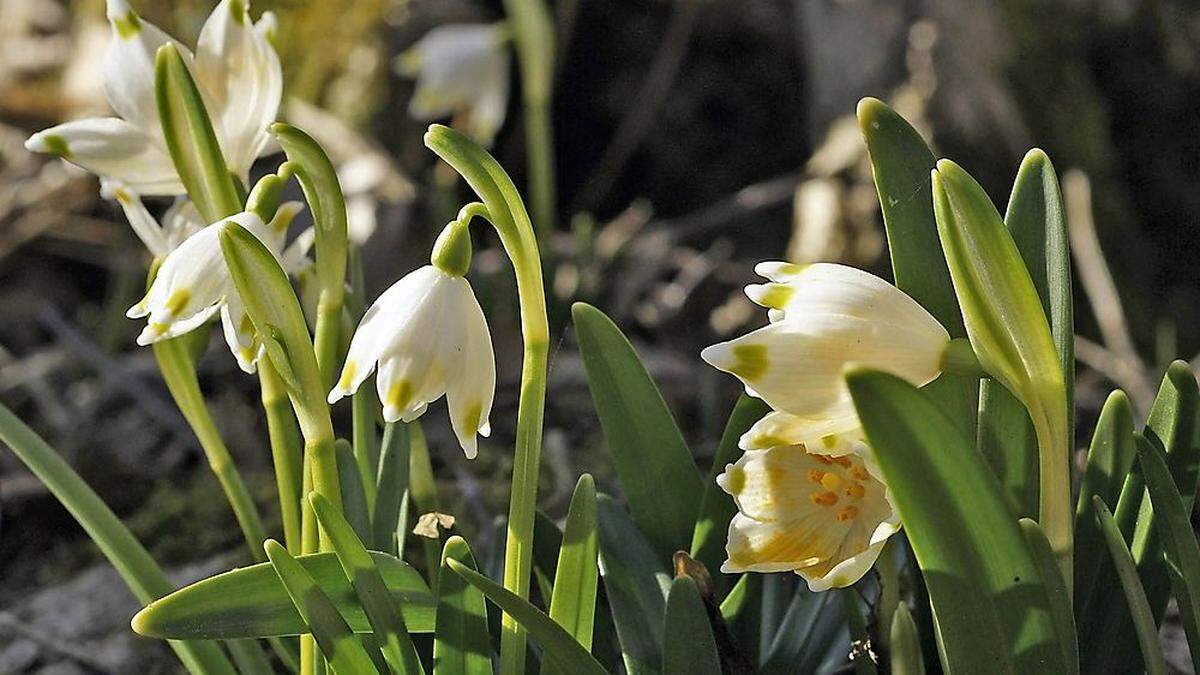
pixel 428 336
pixel 819 510
pixel 193 284
pixel 824 316
pixel 236 69
pixel 181 220
pixel 461 68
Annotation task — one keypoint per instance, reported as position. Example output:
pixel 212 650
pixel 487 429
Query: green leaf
pixel 191 140
pixel 1182 553
pixel 391 486
pixel 354 498
pixel 557 644
pixel 636 584
pixel 333 635
pixel 1142 618
pixel 1035 220
pixel 1010 334
pixel 131 560
pixel 359 567
pixel 901 163
pixel 423 492
pixel 716 506
pixel 992 604
pixel 573 602
pixel 802 635
pixel 644 441
pixel 864 664
pixel 251 602
pixel 1056 588
pixel 689 646
pixel 742 612
pixel 461 643
pixel 905 644
pixel 1109 460
pixel 1106 634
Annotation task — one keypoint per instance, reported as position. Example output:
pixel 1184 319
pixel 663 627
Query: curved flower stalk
pixel 236 69
pixel 428 336
pixel 824 316
pixel 461 69
pixel 819 509
pixel 193 285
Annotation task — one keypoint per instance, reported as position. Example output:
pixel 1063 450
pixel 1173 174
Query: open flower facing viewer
pixel 808 497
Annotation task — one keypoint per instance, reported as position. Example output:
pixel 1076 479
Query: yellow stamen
pixel 855 490
pixel 830 481
pixel 815 475
pixel 848 513
pixel 860 473
pixel 823 498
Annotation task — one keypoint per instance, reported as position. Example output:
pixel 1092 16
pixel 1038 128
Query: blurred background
pixel 693 139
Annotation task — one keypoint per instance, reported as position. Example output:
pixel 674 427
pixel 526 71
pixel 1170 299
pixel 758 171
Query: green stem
pixel 533 33
pixel 326 335
pixel 179 372
pixel 539 144
pixel 131 560
pixel 364 405
pixel 889 590
pixel 506 211
pixel 422 493
pixel 285 451
pixel 1055 510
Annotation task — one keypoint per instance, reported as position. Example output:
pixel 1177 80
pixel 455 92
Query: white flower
pixel 824 316
pixel 193 284
pixel 823 514
pixel 461 68
pixel 236 69
pixel 180 221
pixel 429 337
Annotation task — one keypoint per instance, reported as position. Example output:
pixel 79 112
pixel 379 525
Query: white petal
pixel 129 67
pixel 470 392
pixel 144 225
pixel 845 573
pixel 239 332
pixel 455 64
pixel 181 221
pixel 490 104
pixel 191 282
pixel 796 364
pixel 114 148
pixel 239 70
pixel 380 327
pixel 780 428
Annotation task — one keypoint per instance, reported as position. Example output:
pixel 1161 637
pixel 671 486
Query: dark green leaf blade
pixel 354 495
pixel 989 596
pixel 251 602
pixel 905 644
pixel 461 643
pixel 557 644
pixel 716 506
pixel 1182 552
pixel 636 585
pixel 333 635
pixel 644 441
pixel 1139 609
pixel 1056 588
pixel 573 602
pixel 689 646
pixel 1109 460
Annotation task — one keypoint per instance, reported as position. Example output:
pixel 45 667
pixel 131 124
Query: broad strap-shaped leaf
pixel 864 664
pixel 689 646
pixel 716 506
pixel 901 162
pixel 808 627
pixel 1182 553
pixel 547 545
pixel 1107 643
pixel 1056 588
pixel 645 444
pixel 741 610
pixel 557 644
pixel 251 602
pixel 993 609
pixel 1108 462
pixel 333 635
pixel 905 644
pixel 191 139
pixel 359 567
pixel 1139 609
pixel 461 643
pixel 391 486
pixel 138 570
pixel 354 496
pixel 636 585
pixel 573 602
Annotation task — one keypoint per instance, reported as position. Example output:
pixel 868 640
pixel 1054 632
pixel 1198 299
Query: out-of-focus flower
pixel 428 336
pixel 235 67
pixel 824 316
pixel 818 509
pixel 461 69
pixel 193 284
